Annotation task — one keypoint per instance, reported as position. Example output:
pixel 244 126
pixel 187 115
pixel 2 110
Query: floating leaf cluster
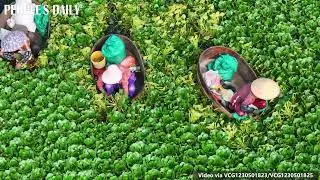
pixel 54 125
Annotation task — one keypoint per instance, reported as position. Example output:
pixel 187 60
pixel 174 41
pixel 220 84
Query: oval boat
pixel 244 73
pixel 131 49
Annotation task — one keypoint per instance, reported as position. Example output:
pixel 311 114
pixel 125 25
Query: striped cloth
pixel 26 56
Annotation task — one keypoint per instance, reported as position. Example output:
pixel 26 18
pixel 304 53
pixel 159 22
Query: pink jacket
pixel 244 97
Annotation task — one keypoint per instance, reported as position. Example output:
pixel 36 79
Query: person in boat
pixel 253 96
pixel 15 47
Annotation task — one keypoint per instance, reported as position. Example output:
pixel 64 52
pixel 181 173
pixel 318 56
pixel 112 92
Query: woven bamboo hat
pixel 265 88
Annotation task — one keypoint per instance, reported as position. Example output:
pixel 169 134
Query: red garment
pixel 260 103
pixel 128 62
pixel 98 72
pixel 100 84
pixel 98 75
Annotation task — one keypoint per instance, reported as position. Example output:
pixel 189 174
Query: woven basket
pixel 243 75
pixel 132 50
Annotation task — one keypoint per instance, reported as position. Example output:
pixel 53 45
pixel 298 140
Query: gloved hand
pixel 241 113
pixel 21 65
pixel 237 117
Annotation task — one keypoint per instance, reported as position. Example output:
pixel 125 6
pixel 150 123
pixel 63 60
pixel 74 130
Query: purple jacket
pixel 242 97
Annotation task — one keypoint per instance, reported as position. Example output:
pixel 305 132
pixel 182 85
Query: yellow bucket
pixel 98 60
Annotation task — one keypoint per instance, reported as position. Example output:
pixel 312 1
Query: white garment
pixel 24 15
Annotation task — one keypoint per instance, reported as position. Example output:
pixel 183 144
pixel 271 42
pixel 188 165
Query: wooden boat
pixel 3 24
pixel 131 50
pixel 243 75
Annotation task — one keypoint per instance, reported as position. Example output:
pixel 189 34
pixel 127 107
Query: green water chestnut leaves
pixel 54 125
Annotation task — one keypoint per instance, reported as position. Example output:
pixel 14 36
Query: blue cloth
pixel 247 109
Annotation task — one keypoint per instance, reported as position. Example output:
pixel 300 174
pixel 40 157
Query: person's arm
pixel 3 18
pixel 27 45
pixel 237 105
pixel 240 96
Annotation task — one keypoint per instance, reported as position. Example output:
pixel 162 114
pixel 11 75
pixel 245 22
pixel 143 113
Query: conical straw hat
pixel 265 88
pixel 112 75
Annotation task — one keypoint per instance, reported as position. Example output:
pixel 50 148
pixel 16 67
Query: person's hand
pixel 18 66
pixel 27 45
pixel 241 113
pixel 11 22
